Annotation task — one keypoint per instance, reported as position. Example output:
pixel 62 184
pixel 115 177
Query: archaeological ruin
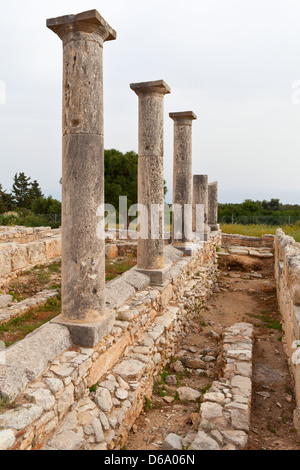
pixel 173 353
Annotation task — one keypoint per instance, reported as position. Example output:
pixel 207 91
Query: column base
pixel 88 335
pixel 202 237
pixel 215 228
pixel 158 277
pixel 188 249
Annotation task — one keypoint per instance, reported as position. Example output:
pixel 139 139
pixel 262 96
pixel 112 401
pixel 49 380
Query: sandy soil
pixel 239 297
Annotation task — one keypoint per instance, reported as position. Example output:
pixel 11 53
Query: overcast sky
pixel 232 62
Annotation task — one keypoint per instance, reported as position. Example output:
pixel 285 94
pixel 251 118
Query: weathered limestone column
pixel 83 248
pixel 213 206
pixel 182 179
pixel 200 197
pixel 150 249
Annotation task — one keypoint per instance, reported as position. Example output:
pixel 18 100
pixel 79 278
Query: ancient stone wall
pixel 225 408
pixel 20 234
pixel 287 274
pixel 22 249
pixel 266 241
pixel 70 397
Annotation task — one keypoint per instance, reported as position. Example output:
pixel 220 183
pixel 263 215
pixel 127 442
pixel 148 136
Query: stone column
pixel 83 248
pixel 150 249
pixel 200 197
pixel 213 206
pixel 182 179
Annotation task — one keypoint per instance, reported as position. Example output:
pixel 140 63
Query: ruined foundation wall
pixel 60 407
pixel 266 241
pixel 20 234
pixel 287 274
pixel 23 248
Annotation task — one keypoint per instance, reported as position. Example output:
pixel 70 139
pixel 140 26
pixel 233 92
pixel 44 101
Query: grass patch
pixel 267 320
pixel 16 297
pixel 116 268
pixel 93 388
pixel 17 328
pixel 147 404
pixel 205 389
pixel 253 230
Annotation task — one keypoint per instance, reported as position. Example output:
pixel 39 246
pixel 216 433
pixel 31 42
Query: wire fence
pixel 272 220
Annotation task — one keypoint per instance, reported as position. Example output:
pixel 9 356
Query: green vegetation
pixel 121 174
pixel 256 218
pixel 26 205
pixel 267 320
pixel 147 404
pixel 205 389
pixel 93 388
pixel 271 212
pixel 114 269
pixel 253 230
pixel 19 327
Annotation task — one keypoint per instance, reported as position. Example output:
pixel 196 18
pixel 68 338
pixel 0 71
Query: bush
pixel 28 219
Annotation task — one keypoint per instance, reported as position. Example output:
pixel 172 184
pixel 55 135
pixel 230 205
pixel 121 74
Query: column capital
pixel 201 178
pixel 90 22
pixel 183 117
pixel 158 87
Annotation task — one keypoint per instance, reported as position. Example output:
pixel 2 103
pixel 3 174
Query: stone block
pixel 19 258
pixel 88 335
pixel 136 279
pixel 37 252
pixel 53 248
pixel 26 360
pixel 158 277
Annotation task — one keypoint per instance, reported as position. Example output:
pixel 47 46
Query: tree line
pixel 271 212
pixel 27 205
pixel 27 194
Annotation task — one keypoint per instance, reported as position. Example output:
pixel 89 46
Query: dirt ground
pixel 240 296
pixel 31 282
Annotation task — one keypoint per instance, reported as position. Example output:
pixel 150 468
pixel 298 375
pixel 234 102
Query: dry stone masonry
pixel 23 248
pixel 9 310
pixel 287 274
pixel 80 381
pixel 70 398
pixel 225 408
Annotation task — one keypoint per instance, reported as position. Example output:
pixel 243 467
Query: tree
pixel 35 191
pixel 46 205
pixel 121 175
pixel 21 190
pixel 6 201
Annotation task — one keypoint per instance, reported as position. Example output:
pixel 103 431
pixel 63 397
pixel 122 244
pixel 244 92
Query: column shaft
pixel 182 178
pixel 83 248
pixel 200 197
pixel 150 250
pixel 213 206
